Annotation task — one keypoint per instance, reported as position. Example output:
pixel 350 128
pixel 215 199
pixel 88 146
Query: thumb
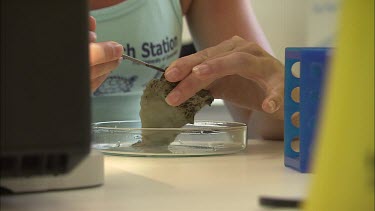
pixel 274 102
pixel 92 27
pixel 92 23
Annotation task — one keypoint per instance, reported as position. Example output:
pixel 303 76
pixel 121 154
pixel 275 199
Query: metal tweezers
pixel 124 56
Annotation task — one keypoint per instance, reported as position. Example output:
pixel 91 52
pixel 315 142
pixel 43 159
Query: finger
pixel 104 52
pixel 182 67
pixel 274 103
pixel 97 82
pixel 237 63
pixel 92 24
pixel 185 90
pixel 204 74
pixel 103 69
pixel 92 36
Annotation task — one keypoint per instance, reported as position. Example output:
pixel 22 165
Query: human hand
pixel 235 70
pixel 104 57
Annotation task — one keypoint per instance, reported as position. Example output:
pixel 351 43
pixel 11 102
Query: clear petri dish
pixel 199 139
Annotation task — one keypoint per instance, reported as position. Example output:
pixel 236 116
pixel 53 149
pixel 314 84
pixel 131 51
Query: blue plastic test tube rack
pixel 309 78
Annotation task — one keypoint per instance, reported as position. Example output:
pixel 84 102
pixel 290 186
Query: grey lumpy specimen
pixel 156 113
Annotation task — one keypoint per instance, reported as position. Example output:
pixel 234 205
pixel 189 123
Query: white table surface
pixel 231 182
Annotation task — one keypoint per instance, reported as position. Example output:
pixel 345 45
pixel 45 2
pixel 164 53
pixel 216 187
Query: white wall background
pixel 294 23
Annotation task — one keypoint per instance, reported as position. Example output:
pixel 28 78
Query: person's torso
pixel 150 30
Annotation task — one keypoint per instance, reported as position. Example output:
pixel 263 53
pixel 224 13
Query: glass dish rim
pixel 238 125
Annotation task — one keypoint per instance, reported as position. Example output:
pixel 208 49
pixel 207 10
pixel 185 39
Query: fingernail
pixel 272 106
pixel 172 74
pixel 173 98
pixel 117 50
pixel 92 36
pixel 201 69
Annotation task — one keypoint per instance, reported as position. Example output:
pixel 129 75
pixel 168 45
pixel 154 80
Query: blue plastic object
pixel 313 66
